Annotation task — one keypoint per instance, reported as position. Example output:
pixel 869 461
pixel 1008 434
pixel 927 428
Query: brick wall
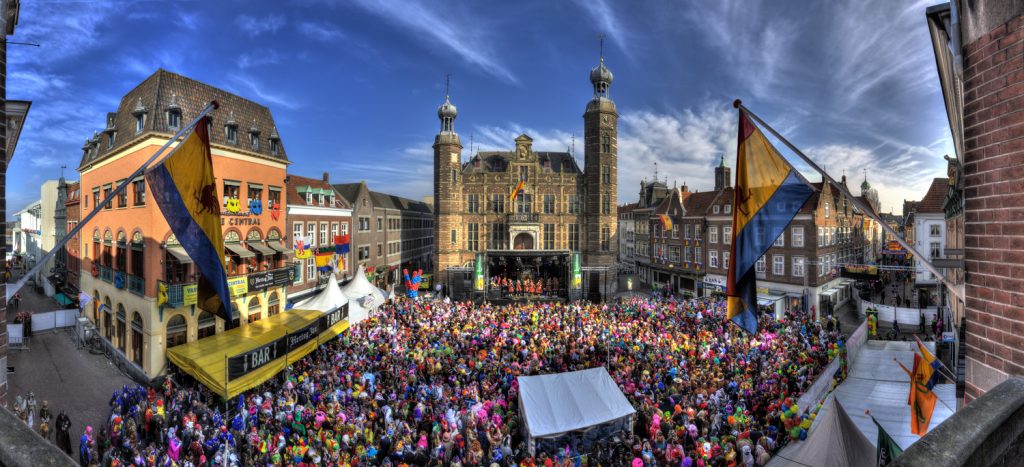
pixel 3 216
pixel 994 206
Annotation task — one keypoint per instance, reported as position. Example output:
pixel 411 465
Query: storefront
pixel 771 302
pixel 714 285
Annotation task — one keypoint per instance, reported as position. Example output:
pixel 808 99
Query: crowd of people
pixel 514 287
pixel 40 418
pixel 434 383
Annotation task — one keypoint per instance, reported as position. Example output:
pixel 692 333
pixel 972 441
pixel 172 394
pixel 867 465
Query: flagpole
pixel 949 373
pixel 14 288
pixel 856 202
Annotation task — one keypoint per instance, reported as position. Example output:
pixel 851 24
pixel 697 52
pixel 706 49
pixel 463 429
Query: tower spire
pixel 447 83
pixel 600 40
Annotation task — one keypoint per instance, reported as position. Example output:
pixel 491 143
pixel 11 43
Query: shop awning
pixel 206 359
pixel 277 246
pixel 239 250
pixel 767 300
pixel 262 249
pixel 179 252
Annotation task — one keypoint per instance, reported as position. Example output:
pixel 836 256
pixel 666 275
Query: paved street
pixel 71 379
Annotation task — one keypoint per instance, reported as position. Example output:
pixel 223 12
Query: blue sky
pixel 354 85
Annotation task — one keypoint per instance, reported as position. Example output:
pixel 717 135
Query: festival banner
pixel 244 363
pixel 238 286
pixel 577 273
pixel 478 273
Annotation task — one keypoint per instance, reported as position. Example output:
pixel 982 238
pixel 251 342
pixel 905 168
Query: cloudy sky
pixel 354 85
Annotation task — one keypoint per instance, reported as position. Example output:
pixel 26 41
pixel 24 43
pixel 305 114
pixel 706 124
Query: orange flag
pixel 922 399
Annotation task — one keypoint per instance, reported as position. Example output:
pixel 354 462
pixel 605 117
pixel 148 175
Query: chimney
pixel 327 177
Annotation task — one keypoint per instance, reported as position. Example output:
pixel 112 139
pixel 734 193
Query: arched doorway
pixel 273 305
pixel 523 241
pixel 137 338
pixel 108 320
pixel 177 331
pixel 207 324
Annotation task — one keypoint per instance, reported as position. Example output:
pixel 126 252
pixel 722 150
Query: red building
pixel 315 209
pixel 73 205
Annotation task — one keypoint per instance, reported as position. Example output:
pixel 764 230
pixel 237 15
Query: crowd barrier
pixel 54 319
pixel 819 389
pixel 905 316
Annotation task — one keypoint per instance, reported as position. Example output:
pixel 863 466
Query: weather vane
pixel 447 83
pixel 600 39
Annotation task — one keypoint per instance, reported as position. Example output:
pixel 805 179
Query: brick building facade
pixel 990 58
pixel 128 250
pixel 72 249
pixel 390 233
pixel 560 208
pixel 314 209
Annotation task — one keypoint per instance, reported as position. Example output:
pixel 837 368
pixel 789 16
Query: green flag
pixel 887 450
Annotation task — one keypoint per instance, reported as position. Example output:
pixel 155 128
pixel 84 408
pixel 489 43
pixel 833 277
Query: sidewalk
pixel 31 301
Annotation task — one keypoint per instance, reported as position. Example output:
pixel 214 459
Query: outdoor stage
pixel 549 271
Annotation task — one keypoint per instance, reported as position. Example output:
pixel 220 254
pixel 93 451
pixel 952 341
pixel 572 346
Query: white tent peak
pixel 834 439
pixel 329 299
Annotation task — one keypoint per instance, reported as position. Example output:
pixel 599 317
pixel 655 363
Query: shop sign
pixel 712 280
pixel 238 286
pixel 270 279
pixel 190 292
pixel 244 363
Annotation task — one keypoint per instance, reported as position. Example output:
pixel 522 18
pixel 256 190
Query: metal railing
pixel 106 274
pixel 136 285
pixel 176 294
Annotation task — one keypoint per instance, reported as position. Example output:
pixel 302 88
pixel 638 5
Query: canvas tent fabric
pixel 833 440
pixel 206 359
pixel 329 299
pixel 363 297
pixel 555 404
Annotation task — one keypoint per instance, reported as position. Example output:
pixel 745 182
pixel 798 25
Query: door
pixel 523 241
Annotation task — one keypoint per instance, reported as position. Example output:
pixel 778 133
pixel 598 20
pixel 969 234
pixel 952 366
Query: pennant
pixel 83 299
pixel 302 247
pixel 341 244
pixel 769 192
pixel 185 189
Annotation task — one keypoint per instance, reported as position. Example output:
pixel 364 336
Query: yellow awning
pixel 206 359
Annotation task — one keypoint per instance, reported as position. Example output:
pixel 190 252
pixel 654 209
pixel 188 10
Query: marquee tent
pixel 579 406
pixel 834 439
pixel 363 297
pixel 329 299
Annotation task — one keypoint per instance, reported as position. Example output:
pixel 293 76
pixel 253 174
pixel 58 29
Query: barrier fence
pixel 819 389
pixel 905 316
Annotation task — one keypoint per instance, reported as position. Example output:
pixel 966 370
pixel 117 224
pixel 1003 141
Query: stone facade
pixel 993 167
pixel 9 15
pixel 559 206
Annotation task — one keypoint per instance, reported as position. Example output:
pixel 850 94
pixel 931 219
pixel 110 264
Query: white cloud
pixel 188 21
pixel 608 22
pixel 259 58
pixel 254 26
pixel 905 175
pixel 320 31
pixel 468 38
pixel 262 94
pixel 64 30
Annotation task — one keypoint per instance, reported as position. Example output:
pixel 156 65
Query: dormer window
pixel 320 199
pixel 174 119
pixel 332 200
pixel 309 197
pixel 231 134
pixel 110 139
pixel 728 208
pixel 254 141
pixel 140 123
pixel 715 209
pixel 273 147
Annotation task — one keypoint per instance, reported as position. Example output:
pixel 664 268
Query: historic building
pixel 627 247
pixel 390 233
pixel 129 254
pixel 651 195
pixel 315 211
pixel 73 266
pixel 930 228
pixel 559 208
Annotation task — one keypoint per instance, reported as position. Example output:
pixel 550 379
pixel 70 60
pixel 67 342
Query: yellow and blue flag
pixel 185 189
pixel 931 367
pixel 515 191
pixel 769 192
pixel 666 222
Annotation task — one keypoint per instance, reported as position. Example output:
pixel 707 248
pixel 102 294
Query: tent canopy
pixel 559 403
pixel 207 359
pixel 362 295
pixel 329 299
pixel 834 439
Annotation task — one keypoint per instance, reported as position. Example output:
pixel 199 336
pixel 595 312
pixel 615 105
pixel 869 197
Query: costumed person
pixel 85 447
pixel 44 420
pixel 64 432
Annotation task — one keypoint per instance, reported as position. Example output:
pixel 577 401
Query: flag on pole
pixel 323 260
pixel 768 194
pixel 666 222
pixel 341 244
pixel 517 190
pixel 185 189
pixel 931 365
pixel 921 398
pixel 886 448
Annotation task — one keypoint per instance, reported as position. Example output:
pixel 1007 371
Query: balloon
pixel 783 417
pixel 813 416
pixel 732 420
pixel 795 408
pixel 805 424
pixel 803 434
pixel 794 433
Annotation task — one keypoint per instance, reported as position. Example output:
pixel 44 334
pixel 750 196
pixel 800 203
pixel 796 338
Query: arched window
pixel 122 327
pixel 176 262
pixel 137 274
pixel 137 338
pixel 177 331
pixel 207 324
pixel 108 320
pixel 121 259
pixel 255 313
pixel 273 305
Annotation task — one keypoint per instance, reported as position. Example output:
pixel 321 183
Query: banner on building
pixel 577 272
pixel 478 273
pixel 270 279
pixel 244 363
pixel 190 293
pixel 238 286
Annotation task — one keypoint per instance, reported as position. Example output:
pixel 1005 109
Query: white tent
pixel 363 297
pixel 556 405
pixel 834 439
pixel 328 300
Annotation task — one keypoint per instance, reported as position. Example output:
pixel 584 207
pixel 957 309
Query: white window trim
pixel 778 260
